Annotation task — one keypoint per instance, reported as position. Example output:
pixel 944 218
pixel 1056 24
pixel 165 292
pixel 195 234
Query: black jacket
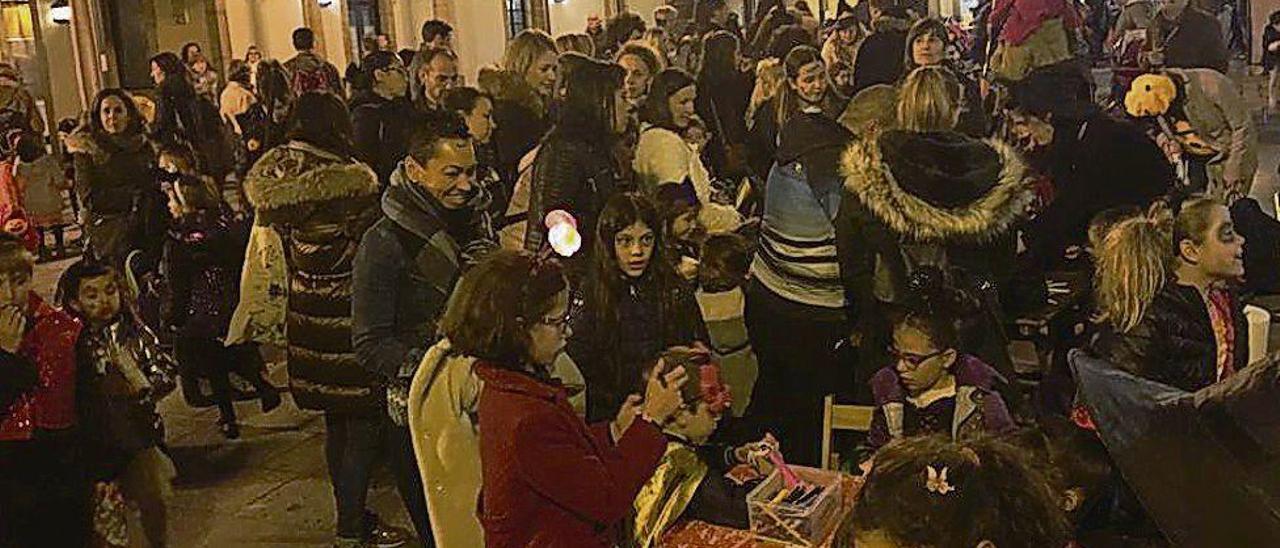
pixel 880 58
pixel 1095 165
pixel 520 116
pixel 722 105
pixel 382 132
pixel 203 255
pixel 1174 343
pixel 943 193
pixel 1193 41
pixel 650 318
pixel 573 174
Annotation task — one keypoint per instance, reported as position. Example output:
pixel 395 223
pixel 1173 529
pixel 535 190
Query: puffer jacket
pixel 320 204
pixel 940 194
pixel 572 174
pixel 520 115
pixel 39 392
pixel 1174 343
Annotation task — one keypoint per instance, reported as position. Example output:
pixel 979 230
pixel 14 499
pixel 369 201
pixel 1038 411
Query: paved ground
pixel 270 487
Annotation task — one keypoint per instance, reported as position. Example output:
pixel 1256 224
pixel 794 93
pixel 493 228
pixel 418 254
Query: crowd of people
pixel 563 303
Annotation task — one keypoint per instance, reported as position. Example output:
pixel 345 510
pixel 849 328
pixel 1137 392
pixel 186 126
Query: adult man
pixel 382 114
pixel 436 74
pixel 433 225
pixel 436 34
pixel 308 71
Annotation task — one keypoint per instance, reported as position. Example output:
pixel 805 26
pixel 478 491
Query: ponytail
pixel 1133 264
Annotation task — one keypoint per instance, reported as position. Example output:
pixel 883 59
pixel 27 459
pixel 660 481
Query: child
pixel 202 261
pixel 123 373
pixel 931 491
pixel 690 481
pixel 722 281
pixel 931 388
pixel 41 177
pixel 679 208
pixel 1078 468
pixel 43 498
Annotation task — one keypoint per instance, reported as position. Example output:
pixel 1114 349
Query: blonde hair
pixel 525 49
pixel 769 78
pixel 1139 254
pixel 929 100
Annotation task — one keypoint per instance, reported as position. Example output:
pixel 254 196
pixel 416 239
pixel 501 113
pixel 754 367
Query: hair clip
pixel 936 481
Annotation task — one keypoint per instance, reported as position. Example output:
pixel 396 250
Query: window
pixel 517 16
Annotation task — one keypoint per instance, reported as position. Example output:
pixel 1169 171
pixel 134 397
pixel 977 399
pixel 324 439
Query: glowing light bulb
pixel 562 233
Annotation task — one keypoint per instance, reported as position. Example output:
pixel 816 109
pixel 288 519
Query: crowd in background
pixel 629 258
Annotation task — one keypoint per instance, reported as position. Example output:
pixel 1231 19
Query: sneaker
pixel 386 536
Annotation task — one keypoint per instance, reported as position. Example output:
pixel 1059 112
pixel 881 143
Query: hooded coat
pixel 112 176
pixel 320 204
pixel 934 193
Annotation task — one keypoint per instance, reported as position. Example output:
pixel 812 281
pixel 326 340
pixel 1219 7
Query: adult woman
pixel 796 310
pixel 723 93
pixel 184 117
pixel 806 89
pixel 927 44
pixel 113 171
pixel 1164 283
pixel 320 201
pixel 522 91
pixel 204 79
pixel 476 109
pixel 664 157
pixel 246 116
pixel 253 58
pixel 925 195
pixel 574 169
pixel 641 64
pixel 549 479
pixel 634 305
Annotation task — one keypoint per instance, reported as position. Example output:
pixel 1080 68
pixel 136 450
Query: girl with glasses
pixel 928 386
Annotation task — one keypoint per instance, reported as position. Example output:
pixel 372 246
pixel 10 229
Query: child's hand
pixel 756 453
pixel 13 325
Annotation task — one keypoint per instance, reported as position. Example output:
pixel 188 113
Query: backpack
pixel 303 81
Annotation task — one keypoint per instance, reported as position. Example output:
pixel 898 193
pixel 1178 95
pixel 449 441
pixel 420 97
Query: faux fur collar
pixel 869 179
pixel 298 173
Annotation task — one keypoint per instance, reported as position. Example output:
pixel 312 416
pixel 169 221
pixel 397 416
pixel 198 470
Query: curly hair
pixel 931 491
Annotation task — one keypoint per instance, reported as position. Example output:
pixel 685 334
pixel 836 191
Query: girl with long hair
pixel 186 117
pixel 805 88
pixel 634 305
pixel 574 170
pixel 1165 285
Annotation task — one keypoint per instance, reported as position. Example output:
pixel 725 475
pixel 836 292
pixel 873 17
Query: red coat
pixel 50 347
pixel 549 479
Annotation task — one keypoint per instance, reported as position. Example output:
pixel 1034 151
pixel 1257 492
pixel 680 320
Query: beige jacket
pixel 447 444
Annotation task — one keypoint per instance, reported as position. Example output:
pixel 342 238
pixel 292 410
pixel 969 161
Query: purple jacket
pixel 978 408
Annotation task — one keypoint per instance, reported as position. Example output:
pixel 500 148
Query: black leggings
pixel 208 358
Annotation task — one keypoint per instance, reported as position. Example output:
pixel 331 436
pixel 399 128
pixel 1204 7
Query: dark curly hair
pixel 991 491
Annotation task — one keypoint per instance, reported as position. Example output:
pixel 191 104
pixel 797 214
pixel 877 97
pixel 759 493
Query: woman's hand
pixel 627 414
pixel 662 395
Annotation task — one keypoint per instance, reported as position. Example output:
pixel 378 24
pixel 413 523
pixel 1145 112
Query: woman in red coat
pixel 549 479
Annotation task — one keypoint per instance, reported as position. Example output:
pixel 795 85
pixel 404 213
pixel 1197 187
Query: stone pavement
pixel 268 488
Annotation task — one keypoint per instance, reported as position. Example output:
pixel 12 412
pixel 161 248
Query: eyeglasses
pixel 913 361
pixel 562 321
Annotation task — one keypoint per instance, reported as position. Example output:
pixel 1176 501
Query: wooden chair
pixel 841 417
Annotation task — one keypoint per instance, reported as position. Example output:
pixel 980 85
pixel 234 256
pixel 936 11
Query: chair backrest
pixel 841 417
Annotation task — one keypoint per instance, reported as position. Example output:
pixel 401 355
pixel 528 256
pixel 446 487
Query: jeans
pixel 351 446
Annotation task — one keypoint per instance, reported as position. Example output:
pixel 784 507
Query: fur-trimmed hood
pixel 938 186
pixel 298 173
pixel 83 141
